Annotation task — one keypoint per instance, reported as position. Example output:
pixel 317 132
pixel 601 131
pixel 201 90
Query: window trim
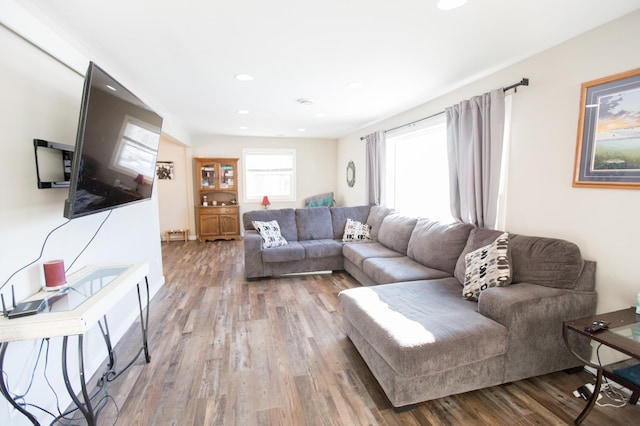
pixel 292 196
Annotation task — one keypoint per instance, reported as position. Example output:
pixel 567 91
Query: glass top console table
pixel 623 335
pixel 72 311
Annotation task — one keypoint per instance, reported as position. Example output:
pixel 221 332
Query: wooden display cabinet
pixel 217 211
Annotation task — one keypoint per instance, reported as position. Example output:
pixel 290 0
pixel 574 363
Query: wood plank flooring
pixel 225 351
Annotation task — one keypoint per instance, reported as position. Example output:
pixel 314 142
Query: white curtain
pixel 475 132
pixel 376 162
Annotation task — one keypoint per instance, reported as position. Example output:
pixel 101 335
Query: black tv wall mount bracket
pixel 66 152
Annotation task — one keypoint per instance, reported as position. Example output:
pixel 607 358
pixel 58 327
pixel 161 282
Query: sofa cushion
pixel 395 232
pixel 290 252
pixel 270 233
pixel 356 231
pixel 396 269
pixel 339 217
pixel 314 224
pixel 357 253
pixel 549 262
pixel 478 237
pixel 314 249
pixel 438 245
pixel 285 217
pixel 487 267
pixel 422 327
pixel 375 218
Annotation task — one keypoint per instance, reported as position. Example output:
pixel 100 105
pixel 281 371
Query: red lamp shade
pixel 265 201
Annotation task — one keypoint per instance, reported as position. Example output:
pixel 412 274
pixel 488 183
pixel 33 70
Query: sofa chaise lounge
pixel 410 322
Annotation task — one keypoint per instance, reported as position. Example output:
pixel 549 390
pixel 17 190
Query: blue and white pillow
pixel 270 233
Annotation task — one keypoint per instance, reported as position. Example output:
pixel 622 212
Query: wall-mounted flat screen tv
pixel 116 148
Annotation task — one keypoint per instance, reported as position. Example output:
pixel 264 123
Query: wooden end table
pixel 620 337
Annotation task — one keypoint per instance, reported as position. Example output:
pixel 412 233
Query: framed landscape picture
pixel 608 145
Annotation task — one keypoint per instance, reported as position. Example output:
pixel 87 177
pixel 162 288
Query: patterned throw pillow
pixel 270 233
pixel 356 231
pixel 487 267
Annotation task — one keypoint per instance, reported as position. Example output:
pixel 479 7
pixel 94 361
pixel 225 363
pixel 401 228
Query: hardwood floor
pixel 225 351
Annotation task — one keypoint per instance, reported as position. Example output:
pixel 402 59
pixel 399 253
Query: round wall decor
pixel 351 174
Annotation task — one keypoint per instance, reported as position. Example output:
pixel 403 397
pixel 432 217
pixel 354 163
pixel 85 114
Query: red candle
pixel 54 273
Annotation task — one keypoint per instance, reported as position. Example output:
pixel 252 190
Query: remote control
pixel 597 326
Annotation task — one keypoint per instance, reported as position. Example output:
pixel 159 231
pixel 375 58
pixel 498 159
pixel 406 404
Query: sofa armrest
pixel 253 265
pixel 524 302
pixel 534 316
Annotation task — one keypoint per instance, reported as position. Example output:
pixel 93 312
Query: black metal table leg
pixel 596 390
pixel 144 320
pixel 592 400
pixel 5 391
pixel 86 409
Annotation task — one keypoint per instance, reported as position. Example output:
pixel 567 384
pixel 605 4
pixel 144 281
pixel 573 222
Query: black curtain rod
pixel 523 82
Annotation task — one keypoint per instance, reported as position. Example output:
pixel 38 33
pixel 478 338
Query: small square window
pixel 270 172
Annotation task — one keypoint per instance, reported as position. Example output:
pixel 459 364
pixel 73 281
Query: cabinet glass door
pixel 227 178
pixel 207 176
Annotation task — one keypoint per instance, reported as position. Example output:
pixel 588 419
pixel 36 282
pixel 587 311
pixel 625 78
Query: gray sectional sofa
pixel 409 321
pixel 314 237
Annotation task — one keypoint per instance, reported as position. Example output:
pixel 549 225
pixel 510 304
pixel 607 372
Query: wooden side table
pixel 181 233
pixel 618 336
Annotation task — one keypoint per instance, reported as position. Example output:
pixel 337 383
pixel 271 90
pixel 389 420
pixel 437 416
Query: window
pixel 270 172
pixel 137 150
pixel 417 171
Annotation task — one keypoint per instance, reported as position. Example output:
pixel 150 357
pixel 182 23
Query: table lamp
pixel 265 202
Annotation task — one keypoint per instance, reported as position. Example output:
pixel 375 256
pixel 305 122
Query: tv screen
pixel 116 148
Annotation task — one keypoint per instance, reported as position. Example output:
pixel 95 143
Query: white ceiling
pixel 405 52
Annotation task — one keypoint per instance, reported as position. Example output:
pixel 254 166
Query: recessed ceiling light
pixel 320 115
pixel 302 130
pixel 244 77
pixel 450 4
pixel 111 88
pixel 304 101
pixel 355 85
pixel 243 128
pixel 244 111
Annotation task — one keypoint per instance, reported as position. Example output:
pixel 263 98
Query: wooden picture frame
pixel 608 145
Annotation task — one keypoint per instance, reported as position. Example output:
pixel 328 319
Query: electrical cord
pixel 17 397
pixel 44 243
pixel 20 399
pixel 39 257
pixel 90 241
pixel 606 387
pixel 55 394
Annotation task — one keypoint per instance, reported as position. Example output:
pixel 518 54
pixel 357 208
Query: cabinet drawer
pixel 218 210
pixel 225 210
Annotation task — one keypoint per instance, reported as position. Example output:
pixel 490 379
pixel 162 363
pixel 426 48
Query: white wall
pixel 315 162
pixel 541 200
pixel 175 198
pixel 41 99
